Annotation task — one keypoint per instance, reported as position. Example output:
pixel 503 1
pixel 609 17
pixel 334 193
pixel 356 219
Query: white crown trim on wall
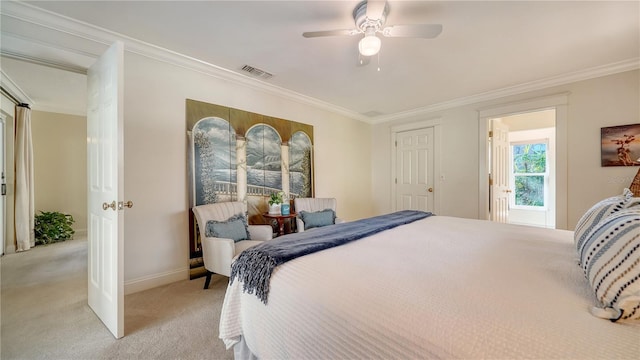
pixel 92 33
pixel 8 84
pixel 610 69
pixel 103 37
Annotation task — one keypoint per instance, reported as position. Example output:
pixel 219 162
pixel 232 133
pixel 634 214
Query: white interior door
pixel 499 172
pixel 104 166
pixel 414 183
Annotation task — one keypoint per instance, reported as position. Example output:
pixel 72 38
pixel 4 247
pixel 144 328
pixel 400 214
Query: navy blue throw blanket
pixel 255 265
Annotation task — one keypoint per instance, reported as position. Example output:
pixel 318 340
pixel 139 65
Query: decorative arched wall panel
pixel 235 155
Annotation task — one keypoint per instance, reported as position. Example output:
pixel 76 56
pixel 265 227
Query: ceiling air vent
pixel 256 72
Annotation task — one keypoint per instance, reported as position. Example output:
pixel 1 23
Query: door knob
pixel 106 206
pixel 430 189
pixel 126 204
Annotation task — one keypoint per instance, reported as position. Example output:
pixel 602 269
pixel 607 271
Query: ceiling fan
pixel 370 18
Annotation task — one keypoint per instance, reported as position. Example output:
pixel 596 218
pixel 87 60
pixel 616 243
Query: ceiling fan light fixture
pixel 370 19
pixel 369 45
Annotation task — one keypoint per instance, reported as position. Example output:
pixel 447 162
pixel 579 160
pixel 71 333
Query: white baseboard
pixel 151 281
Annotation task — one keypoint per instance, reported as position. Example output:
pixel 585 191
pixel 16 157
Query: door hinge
pixel 490 133
pixel 396 180
pixel 396 143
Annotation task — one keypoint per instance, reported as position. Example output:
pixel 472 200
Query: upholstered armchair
pixel 313 205
pixel 226 222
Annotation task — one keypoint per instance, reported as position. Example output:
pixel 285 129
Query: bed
pixel 440 287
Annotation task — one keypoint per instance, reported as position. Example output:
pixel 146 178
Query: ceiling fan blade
pixel 425 31
pixel 375 9
pixel 311 34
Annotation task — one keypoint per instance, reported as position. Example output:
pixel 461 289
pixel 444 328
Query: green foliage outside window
pixel 530 190
pixel 530 158
pixel 529 168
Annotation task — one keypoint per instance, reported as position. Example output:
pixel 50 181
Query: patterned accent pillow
pixel 599 212
pixel 235 228
pixel 610 259
pixel 318 218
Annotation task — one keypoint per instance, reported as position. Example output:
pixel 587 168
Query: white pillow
pixel 610 259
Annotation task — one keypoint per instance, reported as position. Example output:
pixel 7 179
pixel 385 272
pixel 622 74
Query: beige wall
pixel 155 176
pixel 60 170
pixel 606 101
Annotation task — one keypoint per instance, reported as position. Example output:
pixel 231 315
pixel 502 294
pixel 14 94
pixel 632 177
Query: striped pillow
pixel 610 259
pixel 597 213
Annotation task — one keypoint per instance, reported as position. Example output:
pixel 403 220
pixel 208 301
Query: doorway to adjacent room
pixel 515 152
pixel 522 178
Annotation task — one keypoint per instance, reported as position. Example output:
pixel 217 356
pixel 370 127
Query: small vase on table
pixel 274 209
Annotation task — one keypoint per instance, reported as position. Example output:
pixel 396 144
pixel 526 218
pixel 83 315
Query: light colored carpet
pixel 44 312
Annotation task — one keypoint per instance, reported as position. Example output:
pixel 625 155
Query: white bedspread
pixel 441 287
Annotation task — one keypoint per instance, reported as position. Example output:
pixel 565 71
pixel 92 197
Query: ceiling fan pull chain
pixel 378 61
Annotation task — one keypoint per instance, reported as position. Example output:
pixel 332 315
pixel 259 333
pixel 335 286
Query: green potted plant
pixel 53 226
pixel 275 200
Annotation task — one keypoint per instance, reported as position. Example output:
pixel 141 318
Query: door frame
pixel 3 180
pixel 436 124
pixel 8 246
pixel 558 102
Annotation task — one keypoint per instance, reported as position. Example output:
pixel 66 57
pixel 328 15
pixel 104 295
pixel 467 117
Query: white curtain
pixel 24 206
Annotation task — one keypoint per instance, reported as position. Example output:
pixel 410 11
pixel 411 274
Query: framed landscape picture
pixel 620 145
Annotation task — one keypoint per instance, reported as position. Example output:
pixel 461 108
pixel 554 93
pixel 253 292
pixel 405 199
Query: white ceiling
pixel 485 47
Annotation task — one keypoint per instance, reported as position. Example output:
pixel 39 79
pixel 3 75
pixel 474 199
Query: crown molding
pixel 12 88
pixel 43 62
pixel 104 37
pixel 598 71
